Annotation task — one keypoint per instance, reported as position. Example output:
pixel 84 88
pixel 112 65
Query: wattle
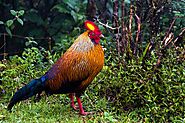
pixel 96 40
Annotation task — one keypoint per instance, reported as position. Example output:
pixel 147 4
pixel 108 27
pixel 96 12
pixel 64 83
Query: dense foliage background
pixel 143 79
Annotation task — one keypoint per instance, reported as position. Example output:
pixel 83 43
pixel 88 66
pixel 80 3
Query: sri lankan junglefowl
pixel 72 72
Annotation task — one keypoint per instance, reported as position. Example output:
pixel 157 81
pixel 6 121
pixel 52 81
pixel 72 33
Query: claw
pixel 74 106
pixel 85 113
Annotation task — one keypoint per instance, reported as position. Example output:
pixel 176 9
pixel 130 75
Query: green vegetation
pixel 125 94
pixel 143 79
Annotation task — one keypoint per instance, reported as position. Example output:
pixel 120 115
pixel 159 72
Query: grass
pixel 56 108
pixel 116 95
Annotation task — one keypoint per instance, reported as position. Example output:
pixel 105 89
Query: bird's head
pixel 94 32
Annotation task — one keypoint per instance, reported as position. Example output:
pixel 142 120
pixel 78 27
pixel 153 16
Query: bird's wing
pixel 68 72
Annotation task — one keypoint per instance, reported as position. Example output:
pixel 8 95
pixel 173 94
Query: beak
pixel 101 36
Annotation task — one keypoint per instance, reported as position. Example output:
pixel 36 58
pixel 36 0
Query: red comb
pixel 91 26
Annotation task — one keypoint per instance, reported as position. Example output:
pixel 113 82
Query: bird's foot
pixel 85 113
pixel 74 107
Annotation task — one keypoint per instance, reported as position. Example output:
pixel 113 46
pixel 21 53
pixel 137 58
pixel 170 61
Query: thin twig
pixel 130 32
pixel 11 53
pixel 168 32
pixel 123 38
pixel 138 33
pixel 116 24
pixel 23 37
pixel 180 35
pixel 4 39
pixel 106 25
pixel 168 40
pixel 2 46
pixel 130 19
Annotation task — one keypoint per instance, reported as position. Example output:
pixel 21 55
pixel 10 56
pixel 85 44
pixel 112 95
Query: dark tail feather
pixel 32 88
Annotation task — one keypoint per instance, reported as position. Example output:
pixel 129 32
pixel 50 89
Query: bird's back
pixel 78 66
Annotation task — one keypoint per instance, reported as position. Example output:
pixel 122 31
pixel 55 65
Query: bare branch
pixel 106 25
pixel 2 45
pixel 168 40
pixel 115 22
pixel 4 39
pixel 25 37
pixel 180 35
pixel 130 32
pixel 123 38
pixel 168 32
pixel 138 33
pixel 130 18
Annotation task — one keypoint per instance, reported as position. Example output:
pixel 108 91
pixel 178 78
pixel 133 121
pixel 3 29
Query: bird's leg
pixel 71 96
pixel 82 112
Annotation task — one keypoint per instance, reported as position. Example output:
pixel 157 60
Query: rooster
pixel 72 72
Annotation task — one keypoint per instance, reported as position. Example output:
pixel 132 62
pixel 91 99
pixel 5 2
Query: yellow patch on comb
pixel 90 26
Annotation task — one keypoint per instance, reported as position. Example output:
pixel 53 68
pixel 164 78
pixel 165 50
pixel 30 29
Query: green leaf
pixel 9 23
pixel 72 4
pixel 2 116
pixel 20 21
pixel 62 8
pixel 21 12
pixel 2 65
pixel 74 15
pixel 145 52
pixel 31 43
pixel 8 31
pixel 1 22
pixel 13 12
pixel 35 18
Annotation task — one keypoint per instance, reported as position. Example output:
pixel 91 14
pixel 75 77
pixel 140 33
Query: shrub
pixel 20 70
pixel 158 93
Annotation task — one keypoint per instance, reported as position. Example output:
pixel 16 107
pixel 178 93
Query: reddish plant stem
pixel 138 33
pixel 129 51
pixel 180 35
pixel 116 24
pixel 166 41
pixel 123 39
pixel 168 32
